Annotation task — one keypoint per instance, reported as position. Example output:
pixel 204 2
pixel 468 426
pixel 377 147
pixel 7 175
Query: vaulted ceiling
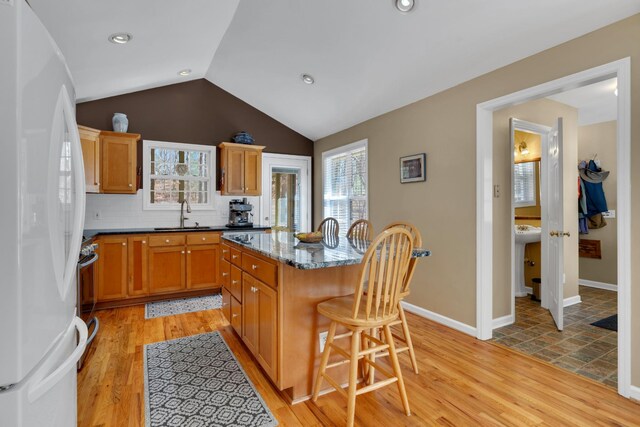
pixel 365 56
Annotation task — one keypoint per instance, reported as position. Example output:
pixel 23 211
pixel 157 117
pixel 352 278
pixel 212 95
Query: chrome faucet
pixel 182 217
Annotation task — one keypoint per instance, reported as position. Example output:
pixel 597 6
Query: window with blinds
pixel 174 172
pixel 524 184
pixel 345 184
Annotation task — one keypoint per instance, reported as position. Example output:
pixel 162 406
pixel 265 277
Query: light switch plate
pixel 496 191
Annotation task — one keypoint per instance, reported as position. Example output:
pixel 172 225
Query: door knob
pixel 559 233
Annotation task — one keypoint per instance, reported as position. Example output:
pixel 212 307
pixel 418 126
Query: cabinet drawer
pixel 236 283
pixel 260 269
pixel 236 315
pixel 226 253
pixel 203 238
pixel 236 257
pixel 225 274
pixel 166 240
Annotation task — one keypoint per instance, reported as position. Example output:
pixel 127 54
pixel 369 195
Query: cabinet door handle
pixel 167 241
pixel 188 252
pixel 124 244
pixel 234 256
pixel 224 251
pixel 130 185
pixel 235 315
pixel 144 242
pixel 225 303
pixel 234 281
pixel 182 251
pixel 254 267
pixel 225 274
pixel 204 238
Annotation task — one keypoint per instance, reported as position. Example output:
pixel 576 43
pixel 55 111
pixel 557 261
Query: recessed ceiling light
pixel 120 38
pixel 184 72
pixel 308 79
pixel 405 5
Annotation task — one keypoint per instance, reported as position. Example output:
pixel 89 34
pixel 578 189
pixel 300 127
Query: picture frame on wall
pixel 413 168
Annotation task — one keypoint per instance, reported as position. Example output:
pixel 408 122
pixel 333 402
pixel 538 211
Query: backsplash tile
pixel 125 211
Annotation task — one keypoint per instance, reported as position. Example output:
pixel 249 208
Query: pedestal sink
pixel 523 234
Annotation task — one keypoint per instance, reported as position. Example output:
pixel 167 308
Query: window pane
pixel 524 184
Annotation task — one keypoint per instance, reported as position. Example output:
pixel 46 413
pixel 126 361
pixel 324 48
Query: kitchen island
pixel 272 284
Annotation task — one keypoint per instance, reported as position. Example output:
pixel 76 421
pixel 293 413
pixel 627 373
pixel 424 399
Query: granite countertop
pixel 90 234
pixel 284 247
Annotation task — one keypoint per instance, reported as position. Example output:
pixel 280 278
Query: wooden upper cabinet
pixel 112 268
pixel 241 169
pixel 90 141
pixel 119 159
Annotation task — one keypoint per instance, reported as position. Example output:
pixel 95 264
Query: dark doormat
pixel 610 323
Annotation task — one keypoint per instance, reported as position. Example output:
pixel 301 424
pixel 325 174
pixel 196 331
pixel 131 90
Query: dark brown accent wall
pixel 194 112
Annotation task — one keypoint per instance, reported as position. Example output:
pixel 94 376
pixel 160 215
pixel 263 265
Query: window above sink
pixel 174 172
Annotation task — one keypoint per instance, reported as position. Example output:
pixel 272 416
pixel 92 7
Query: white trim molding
pixel 439 318
pixel 634 392
pixel 572 301
pixel 598 285
pixel 621 69
pixel 503 321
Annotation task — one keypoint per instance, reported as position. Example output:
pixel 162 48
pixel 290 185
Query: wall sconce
pixel 523 149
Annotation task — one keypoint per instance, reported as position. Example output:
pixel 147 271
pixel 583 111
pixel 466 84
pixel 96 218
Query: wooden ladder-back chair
pixel 329 227
pixel 373 306
pixel 361 229
pixel 405 339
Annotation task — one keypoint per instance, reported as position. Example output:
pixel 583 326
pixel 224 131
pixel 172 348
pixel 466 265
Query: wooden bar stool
pixel 329 227
pixel 374 305
pixel 361 229
pixel 405 339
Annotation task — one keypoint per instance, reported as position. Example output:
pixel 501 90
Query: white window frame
pixel 343 149
pixel 527 203
pixel 146 163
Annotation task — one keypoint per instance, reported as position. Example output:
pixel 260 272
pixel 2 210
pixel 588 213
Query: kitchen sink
pixel 199 227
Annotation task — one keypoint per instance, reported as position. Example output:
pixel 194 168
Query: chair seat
pixel 340 310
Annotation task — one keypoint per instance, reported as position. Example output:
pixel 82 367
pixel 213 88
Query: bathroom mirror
pixel 526 188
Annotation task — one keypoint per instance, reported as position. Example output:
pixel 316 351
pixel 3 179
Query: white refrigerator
pixel 42 216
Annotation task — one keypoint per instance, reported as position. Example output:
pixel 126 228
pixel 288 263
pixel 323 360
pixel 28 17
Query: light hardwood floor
pixel 462 381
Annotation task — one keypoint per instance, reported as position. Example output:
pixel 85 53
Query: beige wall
pixel 444 126
pixel 543 112
pixel 600 139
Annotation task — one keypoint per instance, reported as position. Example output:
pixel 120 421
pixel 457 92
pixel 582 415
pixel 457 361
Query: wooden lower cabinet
pixel 236 316
pixel 167 267
pixel 112 268
pixel 259 326
pixel 235 283
pixel 202 266
pixel 226 304
pixel 138 266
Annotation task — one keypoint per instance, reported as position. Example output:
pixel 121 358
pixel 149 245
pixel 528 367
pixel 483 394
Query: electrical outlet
pixel 323 340
pixel 496 191
pixel 611 213
pixel 97 215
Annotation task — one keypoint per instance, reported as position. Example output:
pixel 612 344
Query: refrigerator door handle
pixel 41 387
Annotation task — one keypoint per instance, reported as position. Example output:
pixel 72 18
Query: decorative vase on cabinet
pixel 120 122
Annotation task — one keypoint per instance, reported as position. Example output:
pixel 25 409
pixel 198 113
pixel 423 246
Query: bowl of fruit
pixel 312 237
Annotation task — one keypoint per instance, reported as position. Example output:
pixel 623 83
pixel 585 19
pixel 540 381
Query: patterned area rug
pixel 197 382
pixel 179 306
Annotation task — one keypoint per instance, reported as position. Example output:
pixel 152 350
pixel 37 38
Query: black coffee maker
pixel 240 215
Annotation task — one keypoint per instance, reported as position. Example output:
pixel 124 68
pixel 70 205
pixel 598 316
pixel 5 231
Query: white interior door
pixel 554 259
pixel 286 192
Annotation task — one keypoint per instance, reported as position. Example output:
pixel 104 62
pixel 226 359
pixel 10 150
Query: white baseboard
pixel 634 392
pixel 503 321
pixel 598 285
pixel 572 300
pixel 439 318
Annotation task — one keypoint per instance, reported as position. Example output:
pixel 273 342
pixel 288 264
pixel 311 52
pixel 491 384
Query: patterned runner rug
pixel 196 381
pixel 179 306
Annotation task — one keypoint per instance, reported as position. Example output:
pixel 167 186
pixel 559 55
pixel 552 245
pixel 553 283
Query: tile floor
pixel 582 348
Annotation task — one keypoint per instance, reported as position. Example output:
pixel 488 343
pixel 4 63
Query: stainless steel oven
pixel 87 293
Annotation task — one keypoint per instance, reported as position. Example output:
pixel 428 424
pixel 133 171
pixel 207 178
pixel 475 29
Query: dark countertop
pixel 284 247
pixel 90 234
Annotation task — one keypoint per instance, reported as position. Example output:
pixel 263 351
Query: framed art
pixel 413 168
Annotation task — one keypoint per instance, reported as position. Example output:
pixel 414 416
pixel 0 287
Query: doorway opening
pixel 491 245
